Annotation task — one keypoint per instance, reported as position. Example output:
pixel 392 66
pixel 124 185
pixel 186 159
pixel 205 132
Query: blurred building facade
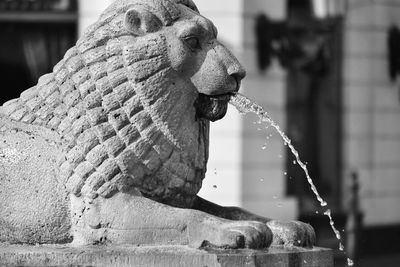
pixel 372 109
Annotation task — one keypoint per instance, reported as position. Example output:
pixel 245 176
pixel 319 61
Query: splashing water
pixel 337 233
pixel 245 105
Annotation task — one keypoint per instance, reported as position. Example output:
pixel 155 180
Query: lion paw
pixel 292 233
pixel 238 234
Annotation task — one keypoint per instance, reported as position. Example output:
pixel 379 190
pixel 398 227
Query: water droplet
pixel 215 186
pixel 350 262
pixel 341 247
pixel 294 162
pixel 305 261
pixel 317 212
pixel 264 147
pixel 285 173
pixel 261 179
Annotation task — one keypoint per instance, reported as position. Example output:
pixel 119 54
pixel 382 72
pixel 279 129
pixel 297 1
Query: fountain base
pixel 63 255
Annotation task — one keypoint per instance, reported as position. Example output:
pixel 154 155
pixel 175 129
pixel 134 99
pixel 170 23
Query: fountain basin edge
pixel 64 255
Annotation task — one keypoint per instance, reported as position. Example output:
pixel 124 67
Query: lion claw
pixel 293 233
pixel 239 234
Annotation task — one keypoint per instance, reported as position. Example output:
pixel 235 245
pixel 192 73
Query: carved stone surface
pixel 112 146
pixel 60 255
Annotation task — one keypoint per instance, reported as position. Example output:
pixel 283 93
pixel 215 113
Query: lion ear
pixel 140 22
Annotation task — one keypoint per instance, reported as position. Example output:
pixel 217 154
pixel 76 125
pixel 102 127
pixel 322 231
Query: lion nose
pixel 233 67
pixel 237 73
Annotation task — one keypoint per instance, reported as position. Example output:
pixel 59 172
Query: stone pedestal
pixel 57 255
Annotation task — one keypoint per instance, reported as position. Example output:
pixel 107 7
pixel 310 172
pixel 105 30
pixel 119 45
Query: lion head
pixel 133 100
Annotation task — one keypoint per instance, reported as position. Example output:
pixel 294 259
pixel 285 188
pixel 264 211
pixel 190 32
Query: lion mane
pixel 114 101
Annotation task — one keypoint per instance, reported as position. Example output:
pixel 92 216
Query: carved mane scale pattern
pixel 114 128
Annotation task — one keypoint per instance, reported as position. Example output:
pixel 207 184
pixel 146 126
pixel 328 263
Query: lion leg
pixel 133 219
pixel 284 233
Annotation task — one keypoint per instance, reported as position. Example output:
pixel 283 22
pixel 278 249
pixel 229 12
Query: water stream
pixel 245 105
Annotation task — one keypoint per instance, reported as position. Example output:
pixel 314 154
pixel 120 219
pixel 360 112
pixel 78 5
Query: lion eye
pixel 193 43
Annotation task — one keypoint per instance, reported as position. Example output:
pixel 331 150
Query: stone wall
pixel 372 110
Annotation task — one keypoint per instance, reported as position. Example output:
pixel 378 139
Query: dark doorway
pixel 314 106
pixel 34 39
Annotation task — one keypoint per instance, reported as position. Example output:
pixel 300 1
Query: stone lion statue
pixel 112 146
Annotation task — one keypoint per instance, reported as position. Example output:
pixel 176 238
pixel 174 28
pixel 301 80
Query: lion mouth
pixel 212 107
pixel 222 97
